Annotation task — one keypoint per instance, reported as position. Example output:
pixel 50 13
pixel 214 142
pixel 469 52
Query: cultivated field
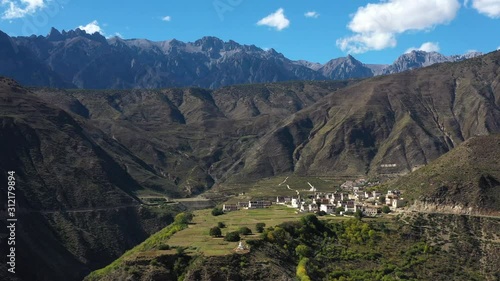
pixel 197 239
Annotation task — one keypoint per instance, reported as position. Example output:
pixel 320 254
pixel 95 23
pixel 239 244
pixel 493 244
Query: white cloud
pixel 92 28
pixel 426 47
pixel 276 20
pixel 116 34
pixel 21 8
pixel 491 8
pixel 311 14
pixel 377 25
pixel 166 18
pixel 498 48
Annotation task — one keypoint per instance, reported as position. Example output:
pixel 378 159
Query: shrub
pixel 321 213
pixel 215 231
pixel 310 219
pixel 245 230
pixel 232 236
pixel 386 209
pixel 183 218
pixel 358 214
pixel 303 251
pixel 260 227
pixel 217 212
pixel 154 262
pixel 221 224
pixel 164 247
pixel 180 250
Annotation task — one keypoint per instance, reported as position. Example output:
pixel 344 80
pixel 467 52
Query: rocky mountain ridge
pixel 75 59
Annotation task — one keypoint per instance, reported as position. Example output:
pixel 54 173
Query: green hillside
pixel 410 247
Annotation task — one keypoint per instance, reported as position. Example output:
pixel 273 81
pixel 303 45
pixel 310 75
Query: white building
pixel 397 203
pixel 313 207
pixel 296 202
pixel 229 207
pixel 370 212
pixel 327 208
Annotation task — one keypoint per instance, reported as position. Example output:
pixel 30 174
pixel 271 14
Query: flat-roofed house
pixel 229 207
pixel 243 205
pixel 327 208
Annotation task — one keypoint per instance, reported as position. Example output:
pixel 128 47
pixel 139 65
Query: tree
pixel 310 219
pixel 164 247
pixel 321 213
pixel 221 224
pixel 260 227
pixel 215 231
pixel 232 236
pixel 303 251
pixel 386 209
pixel 381 199
pixel 338 210
pixel 183 218
pixel 358 214
pixel 245 230
pixel 217 212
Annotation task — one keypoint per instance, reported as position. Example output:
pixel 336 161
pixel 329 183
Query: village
pixel 354 196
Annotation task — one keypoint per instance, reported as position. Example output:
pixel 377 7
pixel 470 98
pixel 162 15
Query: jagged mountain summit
pixel 76 59
pixel 418 59
pixel 345 68
pixel 92 61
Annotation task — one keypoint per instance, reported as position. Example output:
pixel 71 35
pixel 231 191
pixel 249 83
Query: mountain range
pixel 75 59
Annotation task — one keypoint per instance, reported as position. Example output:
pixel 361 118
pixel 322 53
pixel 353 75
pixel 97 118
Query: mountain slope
pixel 407 119
pixel 76 206
pixel 464 180
pixel 187 138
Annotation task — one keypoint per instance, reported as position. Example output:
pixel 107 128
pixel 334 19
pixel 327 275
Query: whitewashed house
pixel 370 212
pixel 313 207
pixel 296 202
pixel 397 203
pixel 327 208
pixel 229 207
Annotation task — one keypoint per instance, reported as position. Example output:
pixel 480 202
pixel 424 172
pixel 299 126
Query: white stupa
pixel 241 247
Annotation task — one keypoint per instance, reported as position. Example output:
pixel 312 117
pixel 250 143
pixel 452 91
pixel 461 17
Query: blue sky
pixel 372 31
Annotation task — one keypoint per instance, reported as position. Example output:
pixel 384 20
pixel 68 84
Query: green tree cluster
pixel 183 218
pixel 232 236
pixel 217 212
pixel 260 226
pixel 215 232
